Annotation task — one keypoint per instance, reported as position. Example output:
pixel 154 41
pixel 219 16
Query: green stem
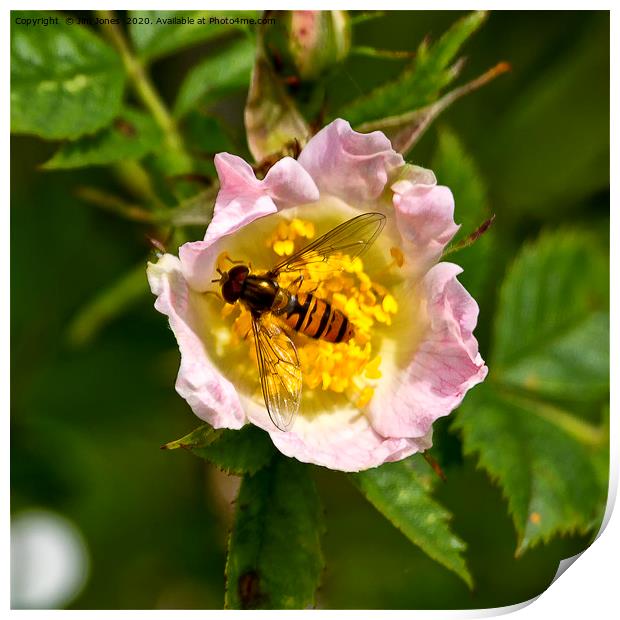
pixel 142 85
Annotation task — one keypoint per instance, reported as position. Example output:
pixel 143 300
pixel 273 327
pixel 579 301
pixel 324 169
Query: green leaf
pixel 272 120
pixel 454 168
pixel 65 81
pixel 245 451
pixel 556 299
pixel 398 492
pixel 540 458
pixel 419 84
pixel 405 130
pixel 158 33
pixel 373 52
pixel 132 135
pixel 236 452
pixel 215 76
pixel 274 552
pixel 550 360
pixel 200 437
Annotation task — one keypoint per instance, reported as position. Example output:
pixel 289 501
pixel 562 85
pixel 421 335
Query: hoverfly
pixel 278 363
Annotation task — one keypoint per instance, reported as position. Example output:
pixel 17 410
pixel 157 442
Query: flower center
pixel 348 368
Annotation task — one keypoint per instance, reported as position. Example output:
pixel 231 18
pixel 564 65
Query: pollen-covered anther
pixel 282 240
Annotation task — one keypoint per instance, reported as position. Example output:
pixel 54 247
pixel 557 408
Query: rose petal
pixel 340 439
pixel 243 198
pixel 425 220
pixel 445 365
pixel 350 165
pixel 198 263
pixel 211 396
pixel 289 184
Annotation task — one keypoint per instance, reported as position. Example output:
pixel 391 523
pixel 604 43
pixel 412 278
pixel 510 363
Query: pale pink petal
pixel 198 260
pixel 425 220
pixel 340 439
pixel 349 165
pixel 211 396
pixel 289 184
pixel 444 367
pixel 243 198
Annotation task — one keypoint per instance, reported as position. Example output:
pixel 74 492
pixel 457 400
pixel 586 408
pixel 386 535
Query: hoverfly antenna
pixel 222 275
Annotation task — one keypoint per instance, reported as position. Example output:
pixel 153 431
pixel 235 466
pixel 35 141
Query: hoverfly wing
pixel 279 371
pixel 352 237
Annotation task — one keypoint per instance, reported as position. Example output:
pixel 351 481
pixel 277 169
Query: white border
pixel 590 586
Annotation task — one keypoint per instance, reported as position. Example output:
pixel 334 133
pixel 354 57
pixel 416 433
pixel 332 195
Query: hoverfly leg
pixel 230 260
pixel 297 282
pixel 222 259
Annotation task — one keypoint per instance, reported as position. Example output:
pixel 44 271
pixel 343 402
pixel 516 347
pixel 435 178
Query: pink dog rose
pixel 414 356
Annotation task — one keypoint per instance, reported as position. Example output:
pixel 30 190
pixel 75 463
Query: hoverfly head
pixel 232 283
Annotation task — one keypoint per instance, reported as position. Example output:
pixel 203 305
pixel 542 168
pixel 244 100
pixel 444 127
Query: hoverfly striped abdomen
pixel 316 318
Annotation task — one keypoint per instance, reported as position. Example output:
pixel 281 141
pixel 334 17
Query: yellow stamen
pixel 283 248
pixel 350 368
pixel 389 304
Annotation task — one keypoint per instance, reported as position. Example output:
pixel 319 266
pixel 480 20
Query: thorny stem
pixel 143 86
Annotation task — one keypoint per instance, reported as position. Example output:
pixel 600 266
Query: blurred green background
pixel 87 422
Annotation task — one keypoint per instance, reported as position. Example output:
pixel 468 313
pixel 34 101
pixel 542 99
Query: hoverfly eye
pixel 233 285
pixel 238 273
pixel 229 293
